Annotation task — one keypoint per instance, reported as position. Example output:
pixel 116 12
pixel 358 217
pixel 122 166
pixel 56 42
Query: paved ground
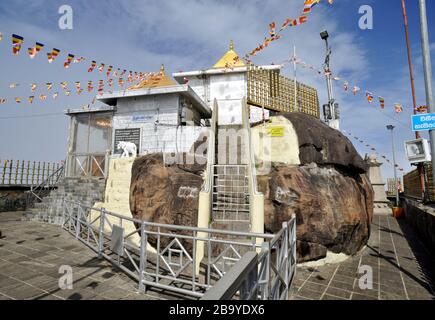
pixel 31 254
pixel 402 269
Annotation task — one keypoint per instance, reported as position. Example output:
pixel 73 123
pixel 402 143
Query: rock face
pixel 329 192
pixel 333 210
pixel 165 194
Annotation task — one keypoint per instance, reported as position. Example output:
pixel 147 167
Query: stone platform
pixel 403 269
pixel 31 254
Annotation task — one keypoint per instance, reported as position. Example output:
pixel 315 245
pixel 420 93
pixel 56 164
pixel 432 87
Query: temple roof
pixel 228 59
pixel 155 81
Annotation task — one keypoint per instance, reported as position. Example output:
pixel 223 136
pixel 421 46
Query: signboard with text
pixel 423 122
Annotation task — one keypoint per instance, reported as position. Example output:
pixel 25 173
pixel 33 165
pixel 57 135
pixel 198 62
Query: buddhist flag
pixel 92 67
pixel 121 82
pixel 300 20
pixel 68 61
pixel 382 102
pixel 55 95
pixel 68 93
pixel 398 107
pixel 34 51
pixel 272 29
pixel 18 100
pixel 1 36
pixel 42 97
pixel 64 84
pixel 346 86
pixel 31 99
pixel 109 70
pixel 79 91
pixel 79 60
pixel 13 85
pixel 110 82
pixel 90 86
pixel 78 86
pixel 33 87
pixel 422 109
pixel 117 73
pixel 49 86
pixel 17 41
pixel 355 90
pixel 101 67
pixel 2 101
pixel 52 55
pixel 369 96
pixel 130 77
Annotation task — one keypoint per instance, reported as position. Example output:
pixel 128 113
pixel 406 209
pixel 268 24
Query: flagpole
pixel 295 84
pixel 420 167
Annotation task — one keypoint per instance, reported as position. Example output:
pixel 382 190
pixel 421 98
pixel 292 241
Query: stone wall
pixel 12 199
pixel 422 220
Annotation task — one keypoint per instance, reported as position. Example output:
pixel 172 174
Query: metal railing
pixel 26 173
pixel 88 165
pixel 172 266
pixel 36 194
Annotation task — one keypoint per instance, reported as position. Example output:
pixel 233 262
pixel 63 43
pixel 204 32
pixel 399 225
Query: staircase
pixel 230 186
pixel 84 190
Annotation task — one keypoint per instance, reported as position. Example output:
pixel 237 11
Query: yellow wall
pixel 276 141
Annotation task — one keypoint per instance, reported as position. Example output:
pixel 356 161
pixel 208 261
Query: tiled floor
pixel 401 266
pixel 31 254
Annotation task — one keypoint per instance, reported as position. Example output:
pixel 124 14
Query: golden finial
pixel 162 69
pixel 231 45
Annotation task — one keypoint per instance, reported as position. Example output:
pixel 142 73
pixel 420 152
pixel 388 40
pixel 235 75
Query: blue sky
pixel 190 35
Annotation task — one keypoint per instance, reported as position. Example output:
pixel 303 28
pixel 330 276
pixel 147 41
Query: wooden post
pixel 27 172
pixel 22 172
pixel 4 171
pixel 10 171
pixel 43 172
pixel 39 172
pixel 17 167
pixel 33 172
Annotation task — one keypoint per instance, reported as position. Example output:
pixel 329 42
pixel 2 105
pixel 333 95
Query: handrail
pixel 48 183
pixel 211 147
pixel 241 277
pixel 251 155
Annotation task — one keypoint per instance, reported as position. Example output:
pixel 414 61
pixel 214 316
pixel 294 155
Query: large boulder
pixel 333 209
pixel 166 194
pixel 323 184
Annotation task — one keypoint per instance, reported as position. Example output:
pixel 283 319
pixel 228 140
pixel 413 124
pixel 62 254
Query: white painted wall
pixel 143 112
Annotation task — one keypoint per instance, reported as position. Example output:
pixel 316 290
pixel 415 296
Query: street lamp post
pixel 330 110
pixel 391 127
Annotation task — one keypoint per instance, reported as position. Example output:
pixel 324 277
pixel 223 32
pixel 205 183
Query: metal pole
pixel 414 99
pixel 427 74
pixel 390 127
pixel 295 90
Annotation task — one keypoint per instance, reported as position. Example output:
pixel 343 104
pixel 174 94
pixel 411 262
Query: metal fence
pixel 269 89
pixel 87 165
pixel 26 173
pixel 165 256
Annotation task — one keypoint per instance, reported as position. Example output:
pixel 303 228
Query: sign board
pixel 423 122
pixel 126 135
pixel 141 118
pixel 417 150
pixel 276 131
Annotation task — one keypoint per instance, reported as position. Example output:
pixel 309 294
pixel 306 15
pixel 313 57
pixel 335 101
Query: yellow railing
pixel 268 89
pixel 26 173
